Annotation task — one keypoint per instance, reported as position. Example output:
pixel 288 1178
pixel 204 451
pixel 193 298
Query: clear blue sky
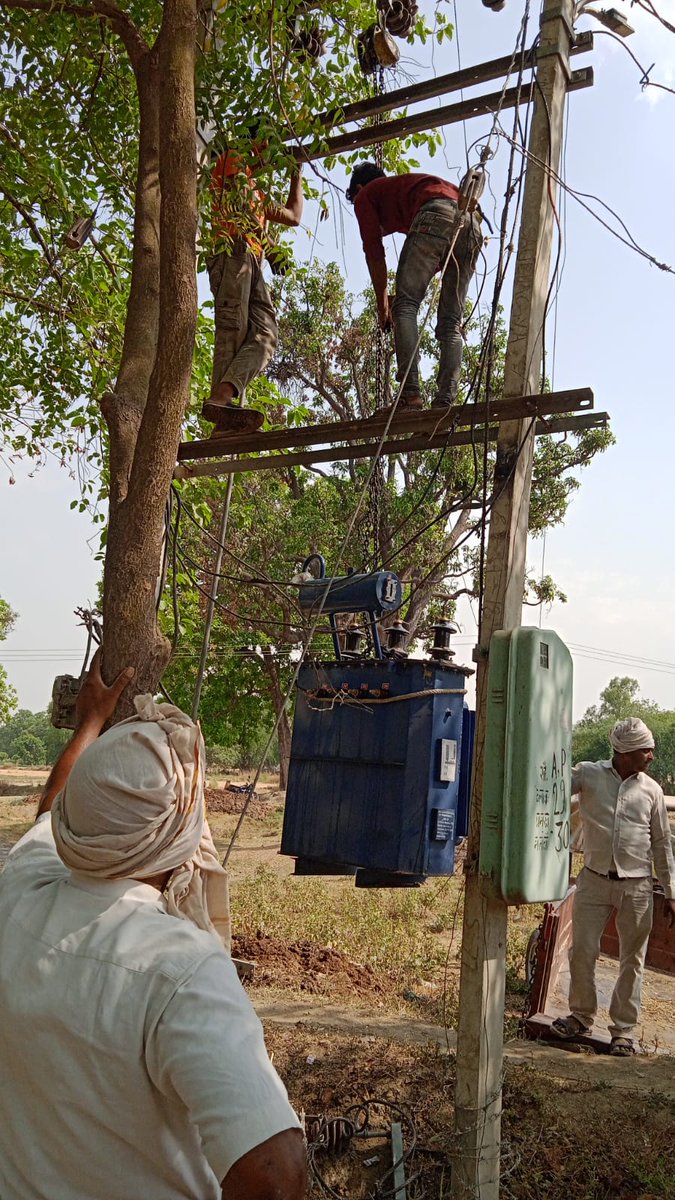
pixel 614 555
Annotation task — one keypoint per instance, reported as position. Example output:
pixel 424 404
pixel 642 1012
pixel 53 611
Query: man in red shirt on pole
pixel 440 237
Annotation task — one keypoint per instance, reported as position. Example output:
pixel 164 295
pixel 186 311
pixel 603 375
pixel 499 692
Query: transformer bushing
pixel 443 631
pixel 309 43
pixel 399 16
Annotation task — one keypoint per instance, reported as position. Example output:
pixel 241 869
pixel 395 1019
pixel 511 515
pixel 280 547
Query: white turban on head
pixel 133 808
pixel 631 734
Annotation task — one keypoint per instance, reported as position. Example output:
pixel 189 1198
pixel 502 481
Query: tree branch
pixel 132 39
pixel 123 408
pixel 31 302
pixel 37 236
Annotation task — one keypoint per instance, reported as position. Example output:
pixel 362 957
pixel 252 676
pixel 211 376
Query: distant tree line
pixel 236 729
pixel 30 740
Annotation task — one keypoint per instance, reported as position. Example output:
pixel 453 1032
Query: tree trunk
pixel 123 409
pixel 146 413
pixel 422 595
pixel 278 698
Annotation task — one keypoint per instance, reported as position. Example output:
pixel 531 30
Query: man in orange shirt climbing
pixel 245 320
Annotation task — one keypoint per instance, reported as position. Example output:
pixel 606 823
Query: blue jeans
pixel 424 253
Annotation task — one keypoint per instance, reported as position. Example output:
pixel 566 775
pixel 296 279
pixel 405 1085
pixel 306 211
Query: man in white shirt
pixel 625 831
pixel 132 1064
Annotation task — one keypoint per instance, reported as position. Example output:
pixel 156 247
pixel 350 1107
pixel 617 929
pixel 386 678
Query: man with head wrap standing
pixel 132 1064
pixel 625 830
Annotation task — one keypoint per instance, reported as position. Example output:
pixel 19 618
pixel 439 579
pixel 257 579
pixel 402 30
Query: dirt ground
pixel 561 1138
pixel 344 1034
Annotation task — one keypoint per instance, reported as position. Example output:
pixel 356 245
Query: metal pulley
pixel 471 188
pixel 495 5
pixel 375 48
pixel 67 687
pixel 398 15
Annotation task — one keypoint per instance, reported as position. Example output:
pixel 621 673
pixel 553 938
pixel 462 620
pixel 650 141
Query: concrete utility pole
pixel 478 1094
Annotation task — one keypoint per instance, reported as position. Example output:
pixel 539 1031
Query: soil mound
pixel 309 967
pixel 226 800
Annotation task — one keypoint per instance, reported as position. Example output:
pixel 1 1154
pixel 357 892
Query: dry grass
pixel 562 1140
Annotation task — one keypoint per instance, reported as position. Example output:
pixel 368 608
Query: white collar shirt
pixel 625 824
pixel 132 1063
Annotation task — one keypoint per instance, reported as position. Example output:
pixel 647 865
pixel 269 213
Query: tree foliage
pixel 101 109
pixel 70 147
pixel 31 740
pixel 8 697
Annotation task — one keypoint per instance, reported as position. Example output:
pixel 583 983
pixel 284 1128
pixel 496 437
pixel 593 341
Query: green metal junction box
pixel 525 830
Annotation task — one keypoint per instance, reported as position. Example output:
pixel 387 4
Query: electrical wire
pixel 645 81
pixel 244 618
pixel 580 196
pixel 487 361
pixel 357 1122
pixel 287 598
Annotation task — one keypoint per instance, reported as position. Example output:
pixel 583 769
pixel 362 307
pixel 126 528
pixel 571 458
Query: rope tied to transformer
pixel 353 696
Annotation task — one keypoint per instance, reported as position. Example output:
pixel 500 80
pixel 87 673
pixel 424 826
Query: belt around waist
pixel 614 875
pixel 442 200
pixel 431 206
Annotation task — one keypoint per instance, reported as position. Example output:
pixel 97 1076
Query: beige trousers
pixel 594 901
pixel 245 321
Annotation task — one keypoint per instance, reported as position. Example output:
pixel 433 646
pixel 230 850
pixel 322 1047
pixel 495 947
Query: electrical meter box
pixel 373 779
pixel 525 829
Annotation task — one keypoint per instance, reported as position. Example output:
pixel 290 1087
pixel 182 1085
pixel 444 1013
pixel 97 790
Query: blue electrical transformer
pixel 373 787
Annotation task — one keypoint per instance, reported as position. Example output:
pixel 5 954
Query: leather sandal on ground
pixel 566 1029
pixel 622 1047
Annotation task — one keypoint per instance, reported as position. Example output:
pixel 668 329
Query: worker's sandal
pixel 566 1029
pixel 622 1047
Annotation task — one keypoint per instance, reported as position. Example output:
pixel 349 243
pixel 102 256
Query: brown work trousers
pixel 245 320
